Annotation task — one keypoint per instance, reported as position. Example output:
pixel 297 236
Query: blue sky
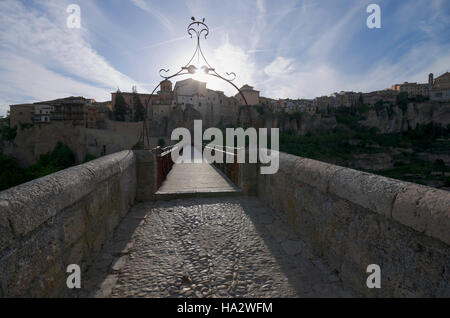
pixel 283 48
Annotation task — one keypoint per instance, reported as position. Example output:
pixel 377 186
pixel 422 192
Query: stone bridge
pixel 310 230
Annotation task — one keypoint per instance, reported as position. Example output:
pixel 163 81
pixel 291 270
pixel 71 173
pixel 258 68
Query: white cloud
pixel 279 67
pixel 23 79
pixel 142 4
pixel 3 108
pixel 304 49
pixel 39 34
pixel 310 81
pixel 334 34
pixel 316 78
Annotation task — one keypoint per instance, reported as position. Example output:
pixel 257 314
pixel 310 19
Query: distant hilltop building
pixel 346 99
pixel 129 99
pixel 386 95
pixel 413 89
pixel 436 89
pixel 96 115
pixel 70 109
pixel 251 95
pixel 214 106
pixel 440 87
pixel 211 104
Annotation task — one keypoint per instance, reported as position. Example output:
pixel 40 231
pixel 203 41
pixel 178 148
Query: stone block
pixel 314 173
pixel 76 253
pixel 35 202
pixel 315 200
pixel 409 208
pixel 439 219
pixel 7 270
pixel 73 227
pixel 95 237
pixel 112 220
pixel 424 209
pixel 367 190
pixel 50 283
pixel 146 175
pixel 33 259
pixel 75 205
pixel 7 236
pixel 349 221
pixel 98 203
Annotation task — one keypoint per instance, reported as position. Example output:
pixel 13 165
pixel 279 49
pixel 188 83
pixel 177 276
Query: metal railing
pixel 230 169
pixel 164 163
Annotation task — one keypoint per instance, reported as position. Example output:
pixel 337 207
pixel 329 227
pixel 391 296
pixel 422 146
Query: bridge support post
pixel 146 175
pixel 159 167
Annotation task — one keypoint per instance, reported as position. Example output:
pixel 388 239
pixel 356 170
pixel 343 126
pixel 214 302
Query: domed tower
pixel 430 81
pixel 166 86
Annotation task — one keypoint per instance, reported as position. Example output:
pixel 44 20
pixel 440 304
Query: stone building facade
pixel 21 114
pixel 70 109
pixel 97 114
pixel 440 87
pixel 346 99
pixel 42 113
pixel 413 89
pixel 386 95
pixel 251 96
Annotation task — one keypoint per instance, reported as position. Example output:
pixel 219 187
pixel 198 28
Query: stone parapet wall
pixel 354 219
pixel 61 219
pixel 146 170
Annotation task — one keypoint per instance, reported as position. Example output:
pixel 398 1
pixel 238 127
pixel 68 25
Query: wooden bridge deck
pixel 196 179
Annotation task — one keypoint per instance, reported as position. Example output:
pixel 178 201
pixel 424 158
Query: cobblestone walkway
pixel 208 247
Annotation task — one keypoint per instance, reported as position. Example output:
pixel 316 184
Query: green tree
pixel 161 143
pixel 360 100
pixel 402 101
pixel 120 107
pixel 8 133
pixel 139 110
pixel 89 157
pixel 11 174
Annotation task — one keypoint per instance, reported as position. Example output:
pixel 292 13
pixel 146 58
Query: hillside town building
pixel 413 89
pixel 97 114
pixel 214 106
pixel 251 96
pixel 70 109
pixel 346 99
pixel 386 95
pixel 21 114
pixel 440 87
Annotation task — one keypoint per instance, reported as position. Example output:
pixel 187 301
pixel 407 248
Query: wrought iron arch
pixel 199 29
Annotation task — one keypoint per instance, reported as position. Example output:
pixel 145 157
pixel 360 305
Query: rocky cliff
pixel 31 142
pixel 394 119
pixel 297 123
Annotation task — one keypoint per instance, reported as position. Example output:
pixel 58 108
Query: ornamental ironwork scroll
pixel 197 30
